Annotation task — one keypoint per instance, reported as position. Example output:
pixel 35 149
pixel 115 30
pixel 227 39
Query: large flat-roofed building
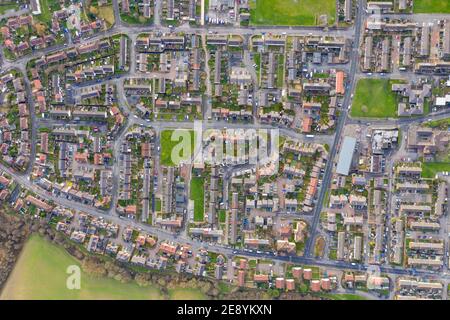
pixel 436 262
pixel 346 156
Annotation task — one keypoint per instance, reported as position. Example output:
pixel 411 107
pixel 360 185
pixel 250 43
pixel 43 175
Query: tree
pixel 93 10
pixel 274 293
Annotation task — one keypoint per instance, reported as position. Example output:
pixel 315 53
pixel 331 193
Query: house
pixel 130 210
pixel 168 249
pixel 375 7
pixel 306 124
pixel 78 236
pixel 241 278
pixel 260 278
pixel 340 89
pixel 357 202
pixel 315 285
pixel 413 98
pixel 38 203
pixel 280 283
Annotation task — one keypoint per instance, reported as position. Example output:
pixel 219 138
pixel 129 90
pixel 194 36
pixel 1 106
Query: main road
pixel 354 60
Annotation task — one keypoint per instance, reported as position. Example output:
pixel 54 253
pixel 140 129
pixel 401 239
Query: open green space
pixel 431 6
pixel 40 273
pixel 47 9
pixel 186 294
pixel 291 12
pixel 342 296
pixel 157 205
pixel 131 19
pixel 430 169
pixel 374 99
pixel 8 6
pixel 222 215
pixel 442 123
pixel 319 75
pixel 198 195
pixel 184 149
pixel 257 59
pixel 107 13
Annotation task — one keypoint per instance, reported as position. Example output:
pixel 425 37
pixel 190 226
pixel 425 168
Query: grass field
pixel 134 20
pixel 50 262
pixel 107 13
pixel 319 247
pixel 186 294
pixel 198 195
pixel 47 9
pixel 8 6
pixel 442 124
pixel 291 12
pixel 430 169
pixel 222 216
pixel 431 6
pixel 167 145
pixel 344 296
pixel 374 99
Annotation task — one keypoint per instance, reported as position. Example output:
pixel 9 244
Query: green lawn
pixel 8 6
pixel 157 204
pixel 167 145
pixel 374 99
pixel 291 12
pixel 321 75
pixel 430 169
pixel 222 215
pixel 257 59
pixel 442 124
pixel 47 8
pixel 280 71
pixel 198 195
pixel 40 273
pixel 332 255
pixel 343 296
pixel 224 287
pixel 186 294
pixel 431 6
pixel 107 13
pixel 134 20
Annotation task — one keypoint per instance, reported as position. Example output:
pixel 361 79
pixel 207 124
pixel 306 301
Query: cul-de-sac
pixel 225 149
